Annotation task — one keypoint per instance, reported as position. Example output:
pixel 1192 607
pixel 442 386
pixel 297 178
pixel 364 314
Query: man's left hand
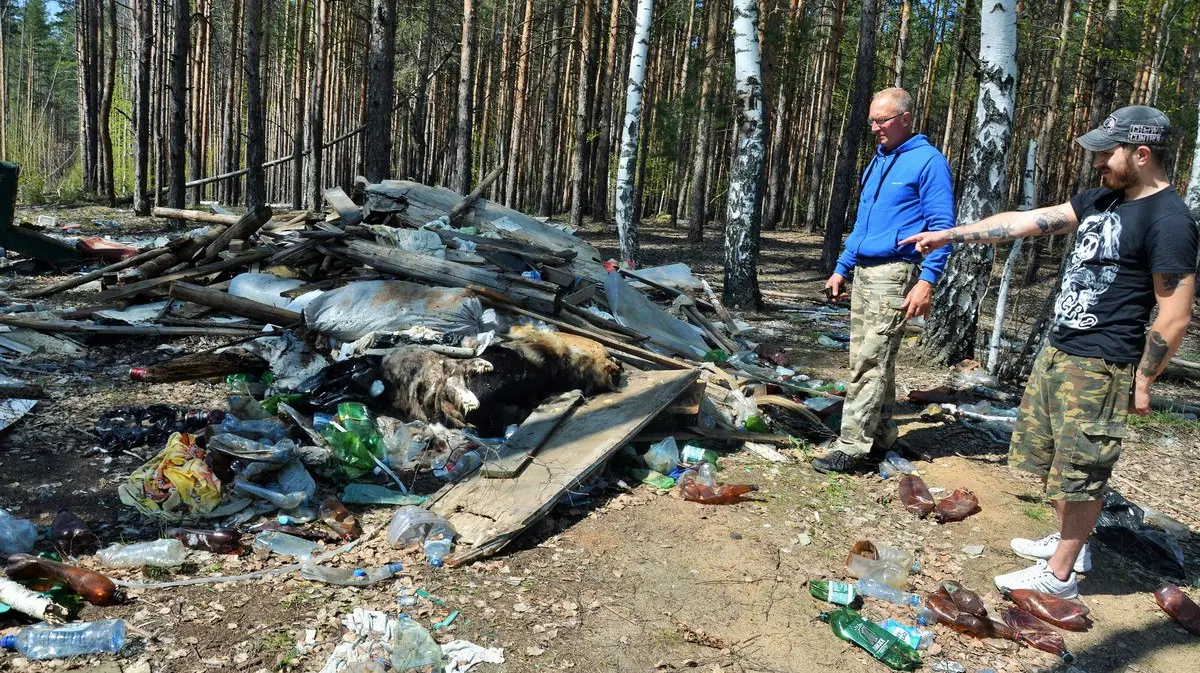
pixel 918 300
pixel 1140 404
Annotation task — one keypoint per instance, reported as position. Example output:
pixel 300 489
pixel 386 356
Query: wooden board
pixel 488 513
pixel 515 454
pixel 343 206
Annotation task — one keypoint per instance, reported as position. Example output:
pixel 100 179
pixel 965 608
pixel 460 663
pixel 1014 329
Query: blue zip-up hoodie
pixel 904 192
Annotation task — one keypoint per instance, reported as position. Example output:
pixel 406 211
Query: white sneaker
pixel 1039 578
pixel 1043 549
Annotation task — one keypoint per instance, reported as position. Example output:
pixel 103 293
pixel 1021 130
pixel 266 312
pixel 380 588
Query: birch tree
pixel 1192 197
pixel 742 216
pixel 950 334
pixel 624 208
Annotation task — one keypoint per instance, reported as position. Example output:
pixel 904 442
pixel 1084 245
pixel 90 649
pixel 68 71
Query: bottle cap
pixel 435 562
pixel 359 573
pixel 8 642
pixel 395 566
pixel 137 374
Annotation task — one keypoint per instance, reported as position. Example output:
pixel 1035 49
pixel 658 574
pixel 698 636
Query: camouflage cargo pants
pixel 1071 422
pixel 876 319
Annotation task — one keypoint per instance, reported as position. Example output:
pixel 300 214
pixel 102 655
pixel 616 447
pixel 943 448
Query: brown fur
pixel 584 362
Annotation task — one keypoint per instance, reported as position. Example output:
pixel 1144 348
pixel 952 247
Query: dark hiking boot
pixel 837 461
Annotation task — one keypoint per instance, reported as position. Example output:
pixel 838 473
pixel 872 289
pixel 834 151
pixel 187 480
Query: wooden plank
pixel 246 225
pixel 125 330
pixel 141 286
pixel 487 513
pixel 240 306
pixel 89 277
pixel 512 457
pixel 193 216
pixel 342 205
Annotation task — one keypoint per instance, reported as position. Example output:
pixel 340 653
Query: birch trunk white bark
pixel 627 231
pixel 742 216
pixel 1009 265
pixel 1192 197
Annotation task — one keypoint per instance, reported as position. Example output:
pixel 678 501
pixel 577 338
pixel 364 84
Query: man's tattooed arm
pixel 1154 356
pixel 1052 222
pixel 1005 227
pixel 1171 281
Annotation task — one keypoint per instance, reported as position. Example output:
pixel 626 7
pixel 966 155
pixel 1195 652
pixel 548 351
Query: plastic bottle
pixel 270 432
pixel 886 470
pixel 707 474
pixel 963 598
pixel 1033 632
pixel 157 553
pixel 1181 607
pixel 17 536
pixel 901 558
pixel 350 577
pixel 850 627
pixel 43 641
pixel 694 490
pixel 915 637
pixel 72 536
pixel 694 453
pixel 458 469
pixel 901 464
pixel 412 524
pixel 220 540
pixel 406 598
pixel 656 479
pixel 957 506
pixel 285 545
pixel 663 456
pixel 886 573
pixel 840 593
pixel 876 589
pixel 413 647
pixel 374 494
pixel 354 439
pixel 337 517
pixel 1060 612
pixel 946 613
pixel 92 586
pixel 436 550
pixel 915 496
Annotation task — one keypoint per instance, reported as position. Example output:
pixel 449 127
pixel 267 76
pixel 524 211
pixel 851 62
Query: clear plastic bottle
pixel 913 636
pixel 17 536
pixel 461 468
pixel 413 646
pixel 269 432
pixel 350 577
pixel 877 589
pixel 405 597
pixel 886 573
pixel 886 470
pixel 44 641
pixel 285 545
pixel 901 463
pixel 165 553
pixel 896 556
pixel 436 550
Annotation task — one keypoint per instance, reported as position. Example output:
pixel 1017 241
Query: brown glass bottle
pixel 1181 607
pixel 72 536
pixel 1034 633
pixel 92 586
pixel 1062 613
pixel 915 495
pixel 336 516
pixel 957 506
pixel 220 540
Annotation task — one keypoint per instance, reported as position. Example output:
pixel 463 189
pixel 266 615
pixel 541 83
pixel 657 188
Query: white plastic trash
pixel 264 288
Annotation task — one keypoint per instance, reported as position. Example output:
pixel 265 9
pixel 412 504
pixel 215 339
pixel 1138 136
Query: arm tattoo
pixel 1171 281
pixel 1156 353
pixel 997 233
pixel 1052 222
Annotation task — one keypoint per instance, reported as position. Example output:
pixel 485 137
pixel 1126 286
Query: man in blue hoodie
pixel 905 190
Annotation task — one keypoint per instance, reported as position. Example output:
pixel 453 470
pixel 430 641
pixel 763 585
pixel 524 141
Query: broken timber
pixel 490 513
pixel 247 308
pixel 516 451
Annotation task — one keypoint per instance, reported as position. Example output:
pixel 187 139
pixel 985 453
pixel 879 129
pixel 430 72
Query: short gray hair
pixel 902 99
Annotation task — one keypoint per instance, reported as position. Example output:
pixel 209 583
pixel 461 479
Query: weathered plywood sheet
pixel 487 513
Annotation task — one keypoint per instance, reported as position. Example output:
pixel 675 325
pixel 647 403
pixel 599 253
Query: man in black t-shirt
pixel 1135 247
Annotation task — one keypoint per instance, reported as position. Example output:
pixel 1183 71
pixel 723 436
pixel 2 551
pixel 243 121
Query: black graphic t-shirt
pixel 1103 308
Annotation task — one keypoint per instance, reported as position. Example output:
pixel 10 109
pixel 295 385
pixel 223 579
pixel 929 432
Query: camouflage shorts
pixel 1071 422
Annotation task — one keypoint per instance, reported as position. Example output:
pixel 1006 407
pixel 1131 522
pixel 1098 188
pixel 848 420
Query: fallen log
pixel 194 216
pixel 62 326
pixel 240 306
pixel 76 281
pixel 469 200
pixel 151 283
pixel 246 225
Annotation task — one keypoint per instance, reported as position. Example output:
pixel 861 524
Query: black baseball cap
pixel 1132 125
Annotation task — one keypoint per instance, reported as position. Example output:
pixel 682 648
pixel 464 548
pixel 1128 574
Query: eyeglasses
pixel 881 122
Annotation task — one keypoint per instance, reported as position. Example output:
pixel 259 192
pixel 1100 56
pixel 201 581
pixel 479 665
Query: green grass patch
pixel 1038 511
pixel 1163 420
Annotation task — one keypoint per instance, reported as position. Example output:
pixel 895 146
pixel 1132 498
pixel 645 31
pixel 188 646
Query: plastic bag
pixel 358 309
pixel 635 311
pixel 1122 528
pixel 663 457
pixel 175 484
pixel 264 288
pixel 420 241
pixel 412 524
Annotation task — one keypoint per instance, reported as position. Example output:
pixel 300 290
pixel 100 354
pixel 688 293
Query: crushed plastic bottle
pixel 876 589
pixel 886 469
pixel 219 541
pixel 436 551
pixel 374 494
pixel 957 506
pixel 915 496
pixel 900 463
pixel 1036 634
pixel 17 536
pixel 656 479
pixel 946 613
pixel 71 536
pixel 269 432
pixel 412 524
pixel 337 517
pixel 852 628
pixel 355 440
pixel 663 457
pixel 839 593
pixel 963 598
pixel 1064 614
pixel 1179 606
pixel 350 577
pixel 92 586
pixel 157 553
pixel 45 641
pixel 285 545
pixel 413 647
pixel 913 636
pixel 695 490
pixel 693 454
pixel 458 469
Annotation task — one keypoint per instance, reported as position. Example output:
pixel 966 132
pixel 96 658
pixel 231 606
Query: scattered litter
pixel 974 550
pixel 463 655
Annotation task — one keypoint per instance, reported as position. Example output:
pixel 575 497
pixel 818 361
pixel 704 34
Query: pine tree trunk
pixel 1103 92
pixel 1050 118
pixel 381 70
pixel 256 182
pixel 106 100
pixel 773 208
pixel 742 217
pixel 832 30
pixel 298 90
pixel 846 169
pixel 179 52
pixel 627 230
pixel 512 183
pixel 550 116
pixel 4 79
pixel 1192 196
pixel 582 106
pixel 143 19
pixel 901 42
pixel 417 167
pixel 607 92
pixel 462 136
pixel 698 206
pixel 315 139
pixel 950 333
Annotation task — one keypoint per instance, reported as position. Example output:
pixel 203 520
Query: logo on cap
pixel 1145 133
pixel 1110 125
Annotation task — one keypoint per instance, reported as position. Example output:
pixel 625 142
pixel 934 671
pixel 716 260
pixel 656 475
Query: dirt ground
pixel 634 580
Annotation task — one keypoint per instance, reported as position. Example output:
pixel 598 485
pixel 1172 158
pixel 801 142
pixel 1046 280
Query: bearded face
pixel 1117 168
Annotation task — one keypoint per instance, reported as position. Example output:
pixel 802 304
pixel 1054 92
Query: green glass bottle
pixel 852 628
pixel 841 593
